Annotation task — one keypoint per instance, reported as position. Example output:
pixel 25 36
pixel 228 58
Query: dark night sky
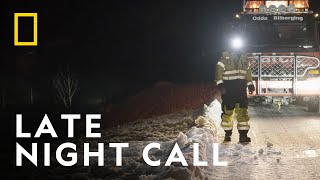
pixel 114 45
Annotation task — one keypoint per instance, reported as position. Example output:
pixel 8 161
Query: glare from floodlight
pixel 237 43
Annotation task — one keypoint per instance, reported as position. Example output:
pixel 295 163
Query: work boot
pixel 243 136
pixel 227 136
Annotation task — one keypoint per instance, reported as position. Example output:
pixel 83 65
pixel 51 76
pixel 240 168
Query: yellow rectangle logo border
pixel 35 29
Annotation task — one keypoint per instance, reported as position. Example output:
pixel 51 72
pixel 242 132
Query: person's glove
pixel 222 89
pixel 251 88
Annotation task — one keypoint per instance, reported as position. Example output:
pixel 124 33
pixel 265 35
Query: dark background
pixel 114 47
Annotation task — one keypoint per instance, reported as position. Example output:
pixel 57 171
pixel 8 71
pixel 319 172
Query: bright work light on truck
pixel 314 72
pixel 237 43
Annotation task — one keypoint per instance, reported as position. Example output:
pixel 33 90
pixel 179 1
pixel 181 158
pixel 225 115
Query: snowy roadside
pixel 241 158
pixel 184 128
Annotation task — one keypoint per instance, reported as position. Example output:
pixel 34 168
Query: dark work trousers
pixel 235 101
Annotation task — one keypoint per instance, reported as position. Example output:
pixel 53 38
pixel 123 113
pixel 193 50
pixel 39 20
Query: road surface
pixel 295 153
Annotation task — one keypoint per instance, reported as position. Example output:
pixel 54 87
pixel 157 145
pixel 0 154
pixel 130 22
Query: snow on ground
pixel 185 128
pixel 240 158
pixel 284 147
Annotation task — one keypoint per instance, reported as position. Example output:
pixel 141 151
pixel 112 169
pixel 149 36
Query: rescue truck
pixel 282 42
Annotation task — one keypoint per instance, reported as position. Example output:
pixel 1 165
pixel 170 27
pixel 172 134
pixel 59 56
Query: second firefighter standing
pixel 233 77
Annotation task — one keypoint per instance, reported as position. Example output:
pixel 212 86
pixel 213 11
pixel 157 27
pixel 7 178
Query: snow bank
pixel 184 128
pixel 213 111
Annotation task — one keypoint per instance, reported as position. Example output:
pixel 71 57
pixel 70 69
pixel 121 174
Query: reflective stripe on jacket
pixel 232 67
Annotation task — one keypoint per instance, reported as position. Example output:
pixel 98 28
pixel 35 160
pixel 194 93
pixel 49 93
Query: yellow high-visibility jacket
pixel 228 69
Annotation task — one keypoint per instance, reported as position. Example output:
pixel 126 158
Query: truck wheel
pixel 313 104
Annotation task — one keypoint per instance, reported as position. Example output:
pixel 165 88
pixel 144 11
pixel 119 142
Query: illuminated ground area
pixel 295 154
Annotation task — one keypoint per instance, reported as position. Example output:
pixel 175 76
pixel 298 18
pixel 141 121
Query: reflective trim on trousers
pixel 243 123
pixel 227 128
pixel 223 123
pixel 243 127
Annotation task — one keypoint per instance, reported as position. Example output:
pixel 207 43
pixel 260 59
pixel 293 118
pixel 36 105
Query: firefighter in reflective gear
pixel 233 76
